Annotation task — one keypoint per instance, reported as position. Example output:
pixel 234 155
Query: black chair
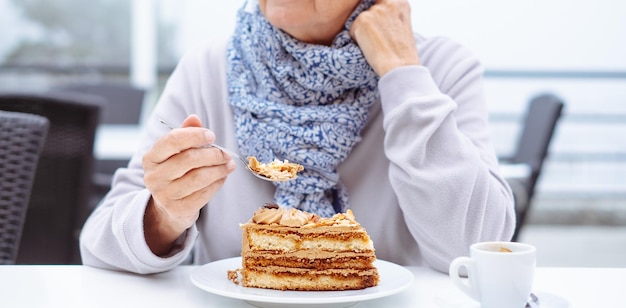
pixel 542 116
pixel 22 137
pixel 123 105
pixel 62 186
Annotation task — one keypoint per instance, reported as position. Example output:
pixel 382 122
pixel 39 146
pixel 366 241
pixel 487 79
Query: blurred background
pixel 572 49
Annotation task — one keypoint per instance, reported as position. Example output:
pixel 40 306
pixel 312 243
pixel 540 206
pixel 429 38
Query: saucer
pixel 551 300
pixel 456 299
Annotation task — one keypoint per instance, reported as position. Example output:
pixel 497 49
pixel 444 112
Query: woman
pixel 386 122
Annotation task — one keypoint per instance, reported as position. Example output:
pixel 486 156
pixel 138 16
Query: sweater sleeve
pixel 113 235
pixel 443 168
pixel 113 238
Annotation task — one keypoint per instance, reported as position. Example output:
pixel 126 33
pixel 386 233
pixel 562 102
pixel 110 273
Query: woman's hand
pixel 182 176
pixel 385 35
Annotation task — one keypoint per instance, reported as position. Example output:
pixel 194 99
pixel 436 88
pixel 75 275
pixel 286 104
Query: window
pixel 48 42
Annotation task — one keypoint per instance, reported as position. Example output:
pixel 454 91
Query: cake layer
pixel 312 230
pixel 309 280
pixel 308 260
pixel 292 239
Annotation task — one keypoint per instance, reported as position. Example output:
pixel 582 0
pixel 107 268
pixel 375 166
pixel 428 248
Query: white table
pixel 82 286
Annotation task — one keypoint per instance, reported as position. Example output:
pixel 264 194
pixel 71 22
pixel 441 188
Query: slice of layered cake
pixel 294 250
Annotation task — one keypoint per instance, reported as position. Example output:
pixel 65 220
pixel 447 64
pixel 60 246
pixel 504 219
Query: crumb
pixel 233 275
pixel 277 170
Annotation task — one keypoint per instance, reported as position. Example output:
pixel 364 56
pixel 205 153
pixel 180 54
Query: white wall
pixel 532 34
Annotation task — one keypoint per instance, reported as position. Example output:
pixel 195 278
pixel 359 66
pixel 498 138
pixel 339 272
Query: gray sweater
pixel 424 180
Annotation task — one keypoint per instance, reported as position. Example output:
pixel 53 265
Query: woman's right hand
pixel 182 175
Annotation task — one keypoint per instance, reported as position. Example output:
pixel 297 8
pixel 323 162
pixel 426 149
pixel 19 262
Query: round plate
pixel 550 300
pixel 454 298
pixel 212 278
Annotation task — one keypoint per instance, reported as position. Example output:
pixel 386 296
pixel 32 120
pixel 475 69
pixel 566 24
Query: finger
pixel 159 177
pixel 192 121
pixel 201 197
pixel 178 202
pixel 182 141
pixel 180 164
pixel 385 36
pixel 390 1
pixel 177 141
pixel 188 207
pixel 196 180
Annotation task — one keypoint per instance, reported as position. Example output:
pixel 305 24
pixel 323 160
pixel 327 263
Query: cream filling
pixel 291 243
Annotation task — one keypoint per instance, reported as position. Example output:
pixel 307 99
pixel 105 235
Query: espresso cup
pixel 499 274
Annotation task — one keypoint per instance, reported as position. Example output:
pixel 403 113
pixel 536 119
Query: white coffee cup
pixel 500 274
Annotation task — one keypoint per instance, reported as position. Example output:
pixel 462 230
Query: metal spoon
pixel 233 154
pixel 533 301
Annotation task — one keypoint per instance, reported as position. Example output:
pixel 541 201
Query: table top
pixel 83 286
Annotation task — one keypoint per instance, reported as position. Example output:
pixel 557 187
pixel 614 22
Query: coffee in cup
pixel 499 274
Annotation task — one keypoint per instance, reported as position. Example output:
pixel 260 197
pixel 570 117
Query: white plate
pixel 212 278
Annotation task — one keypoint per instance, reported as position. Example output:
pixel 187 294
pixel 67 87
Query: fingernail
pixel 210 136
pixel 231 165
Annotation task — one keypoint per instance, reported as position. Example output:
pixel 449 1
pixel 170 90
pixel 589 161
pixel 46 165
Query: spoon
pixel 233 154
pixel 533 301
pixel 450 299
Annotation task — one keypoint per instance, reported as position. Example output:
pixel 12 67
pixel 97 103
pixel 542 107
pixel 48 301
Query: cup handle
pixel 470 288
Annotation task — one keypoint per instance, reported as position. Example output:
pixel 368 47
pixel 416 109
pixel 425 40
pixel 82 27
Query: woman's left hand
pixel 385 35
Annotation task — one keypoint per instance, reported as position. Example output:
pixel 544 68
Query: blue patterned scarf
pixel 302 102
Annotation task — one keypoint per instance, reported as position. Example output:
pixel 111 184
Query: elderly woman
pixel 386 122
